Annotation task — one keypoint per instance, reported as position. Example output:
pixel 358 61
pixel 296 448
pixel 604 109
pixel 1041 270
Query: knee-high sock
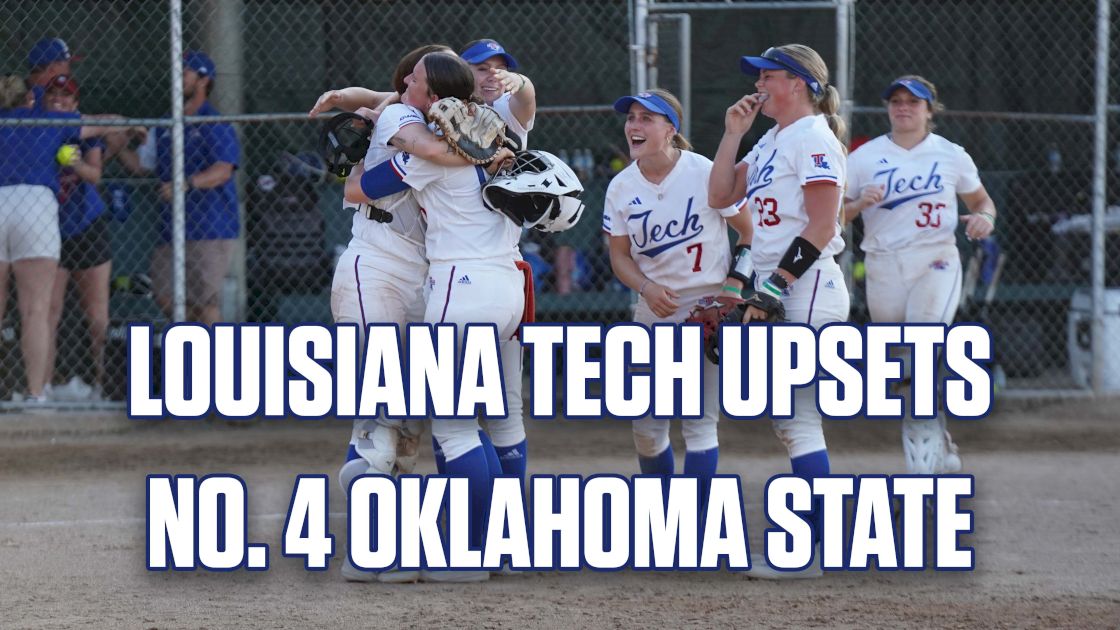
pixel 492 461
pixel 513 459
pixel 474 466
pixel 702 465
pixel 809 466
pixel 661 464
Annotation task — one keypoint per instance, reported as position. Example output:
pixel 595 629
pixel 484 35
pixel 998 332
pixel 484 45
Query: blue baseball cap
pixel 650 101
pixel 485 49
pixel 914 87
pixel 47 51
pixel 774 59
pixel 199 62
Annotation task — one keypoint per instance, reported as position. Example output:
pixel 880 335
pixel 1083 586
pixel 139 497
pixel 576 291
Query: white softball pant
pixel 817 298
pixel 651 435
pixel 488 291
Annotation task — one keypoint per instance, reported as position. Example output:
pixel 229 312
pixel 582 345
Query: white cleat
pixel 352 573
pixel 454 577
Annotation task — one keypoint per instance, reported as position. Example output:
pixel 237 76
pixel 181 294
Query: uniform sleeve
pixel 416 172
pixel 382 180
pixel 856 180
pixel 224 144
pixel 968 178
pixel 392 120
pixel 818 161
pixel 613 221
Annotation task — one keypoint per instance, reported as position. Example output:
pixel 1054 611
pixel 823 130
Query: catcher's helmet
pixel 344 141
pixel 538 191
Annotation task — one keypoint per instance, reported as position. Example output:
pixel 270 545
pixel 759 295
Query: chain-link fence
pixel 261 239
pixel 1018 80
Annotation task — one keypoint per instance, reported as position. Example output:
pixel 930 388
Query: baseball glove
pixel 344 142
pixel 772 306
pixel 711 312
pixel 475 132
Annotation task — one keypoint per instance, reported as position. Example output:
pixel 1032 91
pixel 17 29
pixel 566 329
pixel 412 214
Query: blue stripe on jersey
pixel 382 181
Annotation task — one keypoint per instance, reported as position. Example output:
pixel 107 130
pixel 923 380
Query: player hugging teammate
pixel 434 242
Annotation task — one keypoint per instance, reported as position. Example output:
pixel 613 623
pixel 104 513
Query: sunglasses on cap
pixel 774 59
pixel 63 82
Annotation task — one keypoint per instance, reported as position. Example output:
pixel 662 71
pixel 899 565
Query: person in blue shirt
pixel 29 233
pixel 86 255
pixel 211 155
pixel 47 59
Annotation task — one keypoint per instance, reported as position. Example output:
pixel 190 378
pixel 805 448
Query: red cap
pixel 63 82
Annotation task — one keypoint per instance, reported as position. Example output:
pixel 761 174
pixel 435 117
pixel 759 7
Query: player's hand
pixel 165 191
pixel 662 300
pixel 511 81
pixel 870 196
pixel 977 227
pixel 327 101
pixel 371 114
pixel 741 115
pixel 502 159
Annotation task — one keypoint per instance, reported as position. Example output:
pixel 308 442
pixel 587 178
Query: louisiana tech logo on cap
pixel 493 46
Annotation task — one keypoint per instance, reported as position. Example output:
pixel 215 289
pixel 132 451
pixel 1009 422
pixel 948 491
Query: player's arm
pixel 380 181
pixel 419 141
pixel 349 99
pixel 660 298
pixel 741 268
pixel 869 196
pixel 523 95
pixel 727 182
pixel 981 219
pixel 89 166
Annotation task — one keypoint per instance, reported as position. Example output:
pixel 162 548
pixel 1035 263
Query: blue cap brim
pixel 754 66
pixel 917 89
pixel 623 104
pixel 511 63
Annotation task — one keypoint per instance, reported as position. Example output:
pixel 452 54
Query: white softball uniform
pixel 502 107
pixel 473 277
pixel 782 162
pixel 913 265
pixel 680 242
pixel 380 278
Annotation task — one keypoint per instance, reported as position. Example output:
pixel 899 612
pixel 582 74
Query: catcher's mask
pixel 538 191
pixel 344 142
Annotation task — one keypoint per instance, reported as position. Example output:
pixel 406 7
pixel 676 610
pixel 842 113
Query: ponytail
pixel 680 142
pixel 829 105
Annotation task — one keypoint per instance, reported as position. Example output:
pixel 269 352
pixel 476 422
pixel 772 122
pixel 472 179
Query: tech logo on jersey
pixel 819 161
pixel 900 189
pixel 762 176
pixel 652 239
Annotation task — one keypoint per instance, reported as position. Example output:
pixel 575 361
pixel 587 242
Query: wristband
pixel 989 216
pixel 522 86
pixel 741 265
pixel 799 257
pixel 769 287
pixel 643 287
pixel 731 289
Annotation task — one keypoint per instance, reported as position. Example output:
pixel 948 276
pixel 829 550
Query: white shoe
pixel 761 570
pixel 951 460
pixel 454 577
pixel 352 573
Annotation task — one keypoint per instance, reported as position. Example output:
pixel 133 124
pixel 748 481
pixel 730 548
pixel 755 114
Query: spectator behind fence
pixel 86 244
pixel 29 233
pixel 47 59
pixel 211 153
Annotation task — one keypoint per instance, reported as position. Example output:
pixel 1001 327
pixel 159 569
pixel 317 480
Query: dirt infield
pixel 72 533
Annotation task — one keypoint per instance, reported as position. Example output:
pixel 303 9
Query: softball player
pixel 472 276
pixel 513 95
pixel 905 185
pixel 379 278
pixel 671 246
pixel 792 180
